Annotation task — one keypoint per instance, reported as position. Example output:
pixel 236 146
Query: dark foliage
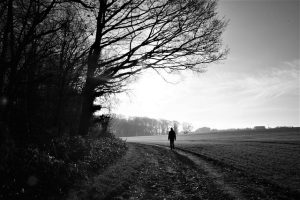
pixel 35 173
pixel 43 47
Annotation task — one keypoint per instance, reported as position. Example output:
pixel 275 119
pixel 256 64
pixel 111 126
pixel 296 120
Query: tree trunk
pixel 88 91
pixel 86 109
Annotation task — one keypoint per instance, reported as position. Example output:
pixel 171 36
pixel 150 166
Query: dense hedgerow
pixel 32 173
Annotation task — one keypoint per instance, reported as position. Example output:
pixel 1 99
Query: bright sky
pixel 258 84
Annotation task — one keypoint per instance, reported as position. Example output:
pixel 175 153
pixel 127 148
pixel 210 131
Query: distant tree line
pixel 141 126
pixel 249 130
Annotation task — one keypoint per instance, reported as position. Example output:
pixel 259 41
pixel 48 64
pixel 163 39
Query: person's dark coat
pixel 172 135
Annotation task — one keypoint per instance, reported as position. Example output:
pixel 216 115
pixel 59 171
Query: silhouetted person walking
pixel 172 137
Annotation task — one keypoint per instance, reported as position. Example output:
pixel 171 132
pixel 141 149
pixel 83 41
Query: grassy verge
pixel 113 180
pixel 48 172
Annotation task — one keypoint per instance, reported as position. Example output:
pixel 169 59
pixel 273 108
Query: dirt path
pixel 156 172
pixel 167 174
pixel 215 174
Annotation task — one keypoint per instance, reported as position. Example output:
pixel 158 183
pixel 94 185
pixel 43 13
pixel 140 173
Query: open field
pixel 272 156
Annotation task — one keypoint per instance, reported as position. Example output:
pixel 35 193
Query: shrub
pixel 32 173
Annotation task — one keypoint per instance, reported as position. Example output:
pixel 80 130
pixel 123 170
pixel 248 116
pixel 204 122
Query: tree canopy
pixel 134 35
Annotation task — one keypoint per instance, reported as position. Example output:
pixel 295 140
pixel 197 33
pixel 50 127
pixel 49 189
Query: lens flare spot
pixel 3 101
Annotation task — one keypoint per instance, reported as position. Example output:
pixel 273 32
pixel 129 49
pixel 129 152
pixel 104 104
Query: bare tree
pixel 176 124
pixel 187 127
pixel 134 35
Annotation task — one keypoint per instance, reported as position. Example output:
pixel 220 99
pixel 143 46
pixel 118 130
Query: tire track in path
pixel 216 175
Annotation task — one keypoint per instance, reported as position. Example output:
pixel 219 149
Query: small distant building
pixel 259 127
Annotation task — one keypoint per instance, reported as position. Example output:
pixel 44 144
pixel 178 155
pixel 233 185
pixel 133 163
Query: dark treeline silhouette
pixel 141 126
pixel 43 50
pixel 58 57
